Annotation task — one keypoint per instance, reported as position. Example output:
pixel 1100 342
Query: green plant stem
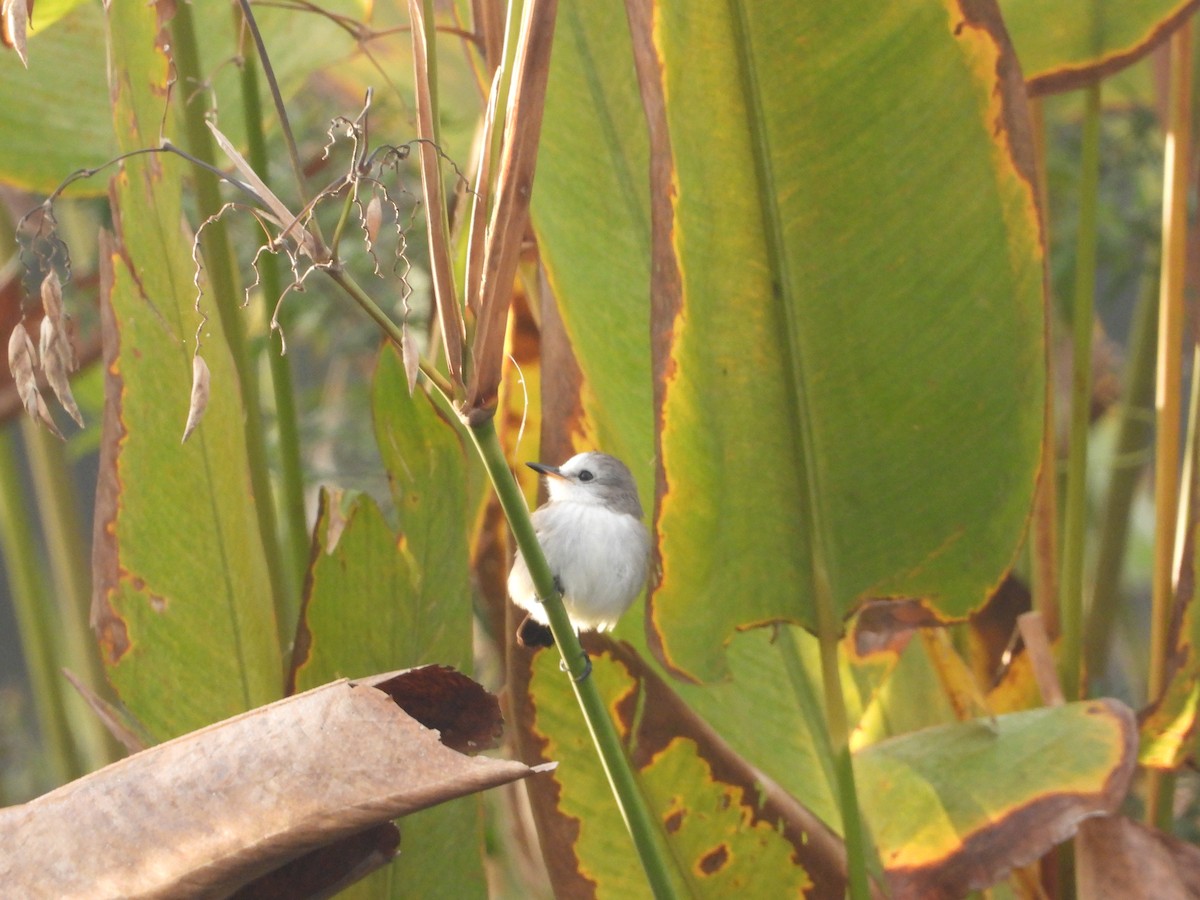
pixel 829 636
pixel 69 574
pixel 37 618
pixel 634 809
pixel 291 472
pixel 1075 507
pixel 223 291
pixel 1135 430
pixel 1160 791
pixel 393 331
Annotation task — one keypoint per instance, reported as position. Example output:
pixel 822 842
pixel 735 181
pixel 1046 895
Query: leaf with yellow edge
pixel 953 808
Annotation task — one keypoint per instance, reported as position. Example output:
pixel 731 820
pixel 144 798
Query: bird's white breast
pixel 600 558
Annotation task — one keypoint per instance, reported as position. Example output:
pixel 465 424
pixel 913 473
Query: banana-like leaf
pixel 848 268
pixel 182 601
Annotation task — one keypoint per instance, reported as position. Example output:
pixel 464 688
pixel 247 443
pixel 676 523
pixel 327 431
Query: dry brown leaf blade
pixel 206 813
pixel 199 399
pixel 510 213
pixel 284 218
pixel 22 360
pixel 449 315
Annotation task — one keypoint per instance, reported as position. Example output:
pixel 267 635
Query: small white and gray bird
pixel 592 534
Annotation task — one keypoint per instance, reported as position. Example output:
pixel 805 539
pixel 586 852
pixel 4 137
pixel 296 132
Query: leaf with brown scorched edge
pixel 181 597
pixel 210 811
pixel 376 599
pixel 725 823
pixel 591 212
pixel 896 387
pixel 1081 41
pixel 1119 859
pixel 955 807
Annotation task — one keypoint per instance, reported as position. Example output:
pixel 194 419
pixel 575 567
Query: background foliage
pixel 811 277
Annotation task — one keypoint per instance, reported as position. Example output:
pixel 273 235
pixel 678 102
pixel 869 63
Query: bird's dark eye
pixel 585 475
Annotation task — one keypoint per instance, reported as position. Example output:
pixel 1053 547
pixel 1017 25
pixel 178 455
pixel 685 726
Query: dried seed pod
pixel 199 401
pixel 21 362
pixel 373 219
pixel 411 357
pixel 55 368
pixel 14 23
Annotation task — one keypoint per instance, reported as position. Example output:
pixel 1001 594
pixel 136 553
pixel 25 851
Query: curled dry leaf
pixel 21 362
pixel 199 401
pixel 207 813
pixel 14 24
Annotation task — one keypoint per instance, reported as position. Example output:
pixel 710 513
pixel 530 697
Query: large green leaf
pixel 182 599
pixel 852 390
pixel 377 600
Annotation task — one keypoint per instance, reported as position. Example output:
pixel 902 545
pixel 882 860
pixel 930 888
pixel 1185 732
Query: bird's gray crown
pixel 594 477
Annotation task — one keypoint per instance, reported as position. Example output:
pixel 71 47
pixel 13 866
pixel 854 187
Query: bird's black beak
pixel 553 471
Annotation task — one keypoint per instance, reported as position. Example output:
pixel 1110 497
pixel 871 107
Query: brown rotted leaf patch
pixel 886 625
pixel 310 782
pixel 1120 859
pixel 106 565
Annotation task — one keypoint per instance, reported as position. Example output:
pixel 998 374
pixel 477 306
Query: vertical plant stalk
pixel 1167 402
pixel 37 618
pixel 1043 530
pixel 425 69
pixel 1075 513
pixel 1134 433
pixel 295 524
pixel 68 558
pixel 223 291
pixel 635 811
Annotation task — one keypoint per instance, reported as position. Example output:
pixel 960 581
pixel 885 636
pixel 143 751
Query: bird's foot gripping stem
pixel 587 668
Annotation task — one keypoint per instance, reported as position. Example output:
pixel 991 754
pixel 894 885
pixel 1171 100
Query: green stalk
pixel 291 480
pixel 69 574
pixel 638 819
pixel 224 291
pixel 37 619
pixel 1135 431
pixel 1160 790
pixel 1075 507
